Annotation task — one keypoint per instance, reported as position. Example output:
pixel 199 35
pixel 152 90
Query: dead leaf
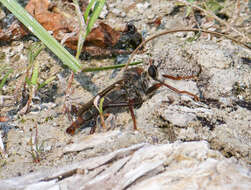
pixel 103 40
pixel 51 21
pixel 36 7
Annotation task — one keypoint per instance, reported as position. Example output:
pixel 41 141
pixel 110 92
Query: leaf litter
pixel 103 40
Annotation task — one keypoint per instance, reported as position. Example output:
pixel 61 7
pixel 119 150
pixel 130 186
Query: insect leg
pixel 156 86
pixel 130 103
pixel 179 77
pixel 93 129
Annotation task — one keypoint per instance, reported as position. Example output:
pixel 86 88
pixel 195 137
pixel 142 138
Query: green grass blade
pixel 34 51
pixel 96 12
pixel 24 17
pixel 46 82
pixel 35 72
pixel 88 9
pixel 101 105
pixel 5 78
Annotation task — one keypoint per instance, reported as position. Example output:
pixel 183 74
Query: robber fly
pixel 131 91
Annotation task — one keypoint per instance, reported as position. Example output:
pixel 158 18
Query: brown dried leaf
pixel 51 21
pixel 102 36
pixel 101 41
pixel 36 7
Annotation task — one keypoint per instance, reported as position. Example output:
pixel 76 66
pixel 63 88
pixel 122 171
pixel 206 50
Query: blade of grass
pixel 99 4
pixel 34 51
pixel 5 78
pixel 81 23
pixel 109 67
pixel 96 12
pixel 101 105
pixel 46 82
pixel 24 17
pixel 88 9
pixel 35 72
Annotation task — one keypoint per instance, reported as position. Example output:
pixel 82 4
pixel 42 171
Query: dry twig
pixel 181 30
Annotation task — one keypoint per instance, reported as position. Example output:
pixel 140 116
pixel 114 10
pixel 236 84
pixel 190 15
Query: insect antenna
pixel 153 72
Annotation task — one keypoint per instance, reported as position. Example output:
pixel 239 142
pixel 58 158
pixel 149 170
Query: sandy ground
pixel 222 117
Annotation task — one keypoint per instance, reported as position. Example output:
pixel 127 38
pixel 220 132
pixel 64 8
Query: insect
pixel 130 91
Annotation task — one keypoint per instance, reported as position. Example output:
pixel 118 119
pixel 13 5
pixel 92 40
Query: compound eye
pixel 131 28
pixel 152 71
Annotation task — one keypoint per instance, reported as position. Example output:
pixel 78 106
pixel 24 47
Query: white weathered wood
pixel 190 165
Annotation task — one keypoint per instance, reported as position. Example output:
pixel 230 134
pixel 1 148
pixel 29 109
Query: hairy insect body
pixel 131 91
pixel 136 82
